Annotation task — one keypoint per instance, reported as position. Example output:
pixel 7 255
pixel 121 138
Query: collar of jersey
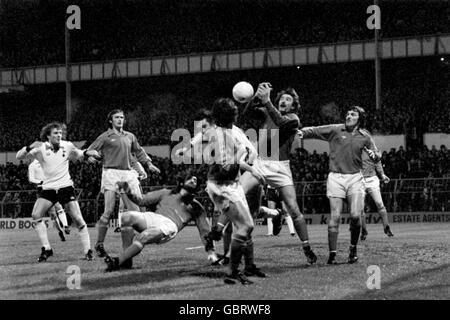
pixel 111 132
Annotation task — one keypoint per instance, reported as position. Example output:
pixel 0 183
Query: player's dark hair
pixel 182 178
pixel 203 114
pixel 110 116
pixel 47 129
pixel 224 112
pixel 296 100
pixel 362 115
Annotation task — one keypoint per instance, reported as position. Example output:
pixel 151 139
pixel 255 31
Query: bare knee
pixel 36 215
pixel 127 219
pixel 380 206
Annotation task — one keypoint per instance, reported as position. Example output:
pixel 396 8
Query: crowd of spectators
pixel 309 170
pixel 32 32
pixel 415 96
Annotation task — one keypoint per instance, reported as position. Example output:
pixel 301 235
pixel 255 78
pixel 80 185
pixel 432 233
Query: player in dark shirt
pixel 174 210
pixel 345 181
pixel 277 131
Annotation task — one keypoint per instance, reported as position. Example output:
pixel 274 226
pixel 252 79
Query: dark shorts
pixel 39 191
pixel 273 195
pixel 62 196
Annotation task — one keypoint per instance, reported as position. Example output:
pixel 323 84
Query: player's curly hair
pixel 296 100
pixel 362 115
pixel 110 116
pixel 47 129
pixel 182 178
pixel 224 112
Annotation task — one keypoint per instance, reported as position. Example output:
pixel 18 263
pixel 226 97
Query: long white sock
pixel 290 224
pixel 41 230
pixel 119 217
pixel 269 226
pixel 62 217
pixel 84 237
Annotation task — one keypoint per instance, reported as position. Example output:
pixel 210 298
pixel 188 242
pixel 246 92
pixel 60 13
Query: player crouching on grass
pixel 175 209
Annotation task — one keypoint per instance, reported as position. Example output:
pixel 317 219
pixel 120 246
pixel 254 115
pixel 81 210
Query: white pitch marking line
pixel 193 248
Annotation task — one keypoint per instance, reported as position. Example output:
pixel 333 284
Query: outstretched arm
pixel 143 201
pixel 320 132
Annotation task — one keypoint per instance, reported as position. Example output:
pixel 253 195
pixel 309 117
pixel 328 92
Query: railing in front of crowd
pixel 399 195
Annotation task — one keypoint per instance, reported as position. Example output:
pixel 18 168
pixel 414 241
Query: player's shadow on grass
pixel 407 286
pixel 33 260
pixel 119 284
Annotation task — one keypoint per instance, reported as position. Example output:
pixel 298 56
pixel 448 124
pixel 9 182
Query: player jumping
pixel 274 169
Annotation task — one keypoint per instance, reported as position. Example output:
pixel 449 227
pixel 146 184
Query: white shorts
pixel 276 174
pixel 222 194
pixel 372 184
pixel 157 223
pixel 111 176
pixel 340 185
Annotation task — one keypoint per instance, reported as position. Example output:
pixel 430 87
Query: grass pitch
pixel 415 264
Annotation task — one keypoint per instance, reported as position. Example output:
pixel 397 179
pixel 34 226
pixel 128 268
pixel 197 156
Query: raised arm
pixel 253 110
pixel 284 122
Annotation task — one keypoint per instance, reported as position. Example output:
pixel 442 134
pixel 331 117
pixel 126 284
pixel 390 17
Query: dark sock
pixel 333 232
pixel 355 230
pixel 227 239
pixel 248 254
pixel 363 221
pixel 237 249
pixel 384 217
pixel 102 228
pixel 301 228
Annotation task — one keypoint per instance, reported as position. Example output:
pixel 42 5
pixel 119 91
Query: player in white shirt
pixel 57 213
pixel 53 155
pixel 253 195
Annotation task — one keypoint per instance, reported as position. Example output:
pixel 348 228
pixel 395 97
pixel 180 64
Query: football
pixel 243 92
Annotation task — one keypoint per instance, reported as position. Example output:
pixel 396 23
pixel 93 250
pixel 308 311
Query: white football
pixel 243 92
